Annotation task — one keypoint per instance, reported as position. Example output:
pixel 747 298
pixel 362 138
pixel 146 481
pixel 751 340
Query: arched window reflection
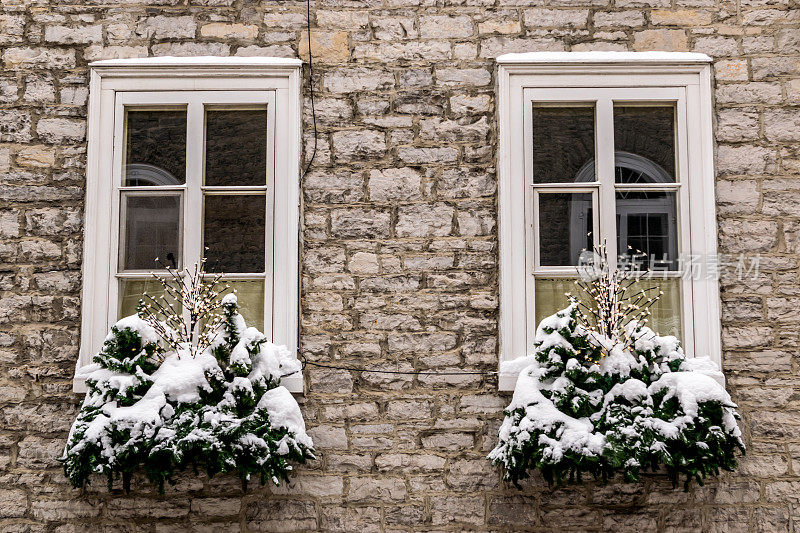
pixel 646 220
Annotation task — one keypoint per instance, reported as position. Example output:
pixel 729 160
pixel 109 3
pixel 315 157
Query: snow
pixel 146 411
pixel 632 390
pixel 547 334
pixel 198 61
pixel 515 366
pixel 619 361
pixel 126 416
pixel 691 389
pixel 553 384
pixel 181 376
pixel 133 322
pixel 285 413
pixel 275 361
pixel 573 434
pixel 704 365
pixel 603 57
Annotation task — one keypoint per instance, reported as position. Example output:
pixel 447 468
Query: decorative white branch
pixel 184 316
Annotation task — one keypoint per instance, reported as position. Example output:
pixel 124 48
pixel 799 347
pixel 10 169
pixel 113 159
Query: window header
pixel 199 61
pixel 603 57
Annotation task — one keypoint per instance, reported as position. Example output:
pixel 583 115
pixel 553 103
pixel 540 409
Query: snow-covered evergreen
pixel 220 410
pixel 585 404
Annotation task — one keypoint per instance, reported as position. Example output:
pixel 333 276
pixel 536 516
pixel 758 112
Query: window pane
pixel 644 143
pixel 563 144
pixel 131 291
pixel 549 296
pixel 155 147
pixel 665 316
pixel 152 230
pixel 647 229
pixel 236 147
pixel 233 233
pixel 565 226
pixel 250 295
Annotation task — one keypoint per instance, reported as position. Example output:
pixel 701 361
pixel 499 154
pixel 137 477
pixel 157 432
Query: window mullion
pixel 605 174
pixel 193 202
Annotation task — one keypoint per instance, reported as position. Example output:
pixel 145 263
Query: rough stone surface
pixel 399 259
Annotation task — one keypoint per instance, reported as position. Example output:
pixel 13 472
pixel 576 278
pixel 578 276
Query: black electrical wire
pixel 311 90
pixel 305 362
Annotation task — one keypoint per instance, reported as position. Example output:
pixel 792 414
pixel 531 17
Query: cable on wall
pixel 305 362
pixel 310 89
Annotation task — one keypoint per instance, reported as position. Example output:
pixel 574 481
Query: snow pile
pixel 584 405
pixel 223 410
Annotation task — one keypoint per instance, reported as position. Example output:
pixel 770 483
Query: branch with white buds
pixel 610 301
pixel 185 315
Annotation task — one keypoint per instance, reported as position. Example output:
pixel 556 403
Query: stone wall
pixel 400 258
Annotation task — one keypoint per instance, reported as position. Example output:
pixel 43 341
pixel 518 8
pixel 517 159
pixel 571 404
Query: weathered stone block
pixel 327 46
pixel 445 27
pixel 73 35
pixel 666 40
pixel 425 220
pixel 221 30
pixel 559 18
pixel 782 125
pixel 394 184
pixel 60 130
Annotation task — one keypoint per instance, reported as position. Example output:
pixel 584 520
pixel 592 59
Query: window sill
pixel 506 382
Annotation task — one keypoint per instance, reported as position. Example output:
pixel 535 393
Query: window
pixel 611 148
pixel 193 158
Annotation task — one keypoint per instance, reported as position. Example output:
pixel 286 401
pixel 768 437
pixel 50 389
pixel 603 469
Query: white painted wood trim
pixel 198 61
pixel 668 58
pixel 616 76
pixel 279 80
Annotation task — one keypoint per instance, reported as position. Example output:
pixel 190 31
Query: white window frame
pixel 198 81
pixel 603 77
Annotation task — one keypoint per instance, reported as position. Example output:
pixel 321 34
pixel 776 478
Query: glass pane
pixel 665 316
pixel 563 144
pixel 549 296
pixel 647 230
pixel 644 144
pixel 152 231
pixel 155 147
pixel 233 233
pixel 565 227
pixel 250 295
pixel 131 291
pixel 236 147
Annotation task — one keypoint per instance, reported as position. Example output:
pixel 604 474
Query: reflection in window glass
pixel 155 147
pixel 563 142
pixel 131 291
pixel 236 147
pixel 152 231
pixel 647 132
pixel 665 318
pixel 647 229
pixel 665 313
pixel 234 233
pixel 250 297
pixel 565 226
